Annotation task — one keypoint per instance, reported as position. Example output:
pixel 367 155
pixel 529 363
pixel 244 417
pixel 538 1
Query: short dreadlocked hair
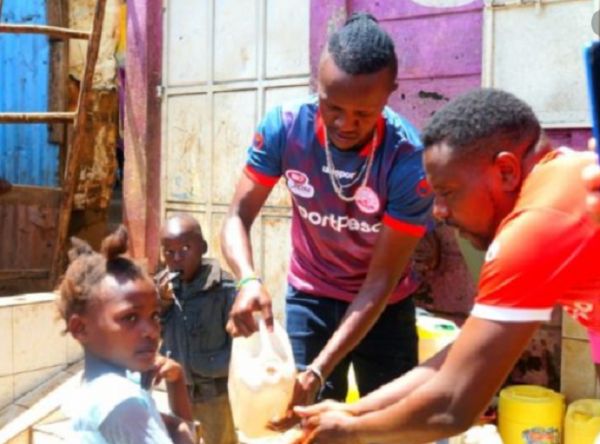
pixel 484 121
pixel 361 46
pixel 88 268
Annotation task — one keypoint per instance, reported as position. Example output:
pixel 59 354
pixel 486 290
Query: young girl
pixel 110 305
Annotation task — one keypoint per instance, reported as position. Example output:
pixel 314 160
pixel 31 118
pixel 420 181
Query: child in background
pixel 110 305
pixel 194 324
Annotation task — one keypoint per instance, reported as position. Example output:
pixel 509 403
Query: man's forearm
pixel 423 416
pixel 237 248
pixel 360 316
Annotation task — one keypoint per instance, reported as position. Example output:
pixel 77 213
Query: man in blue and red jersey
pixel 497 180
pixel 360 205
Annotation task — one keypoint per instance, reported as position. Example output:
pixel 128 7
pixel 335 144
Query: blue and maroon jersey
pixel 333 240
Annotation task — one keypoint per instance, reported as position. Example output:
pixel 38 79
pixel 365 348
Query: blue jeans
pixel 387 351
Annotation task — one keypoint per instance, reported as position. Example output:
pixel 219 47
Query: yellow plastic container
pixel 530 414
pixel 434 334
pixel 582 421
pixel 353 394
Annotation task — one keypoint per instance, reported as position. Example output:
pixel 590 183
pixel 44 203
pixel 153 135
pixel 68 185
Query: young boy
pixel 194 325
pixel 110 305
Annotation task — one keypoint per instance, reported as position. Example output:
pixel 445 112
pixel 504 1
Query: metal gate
pixel 225 62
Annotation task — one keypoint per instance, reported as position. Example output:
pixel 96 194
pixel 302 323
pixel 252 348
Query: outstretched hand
pixel 305 392
pixel 328 422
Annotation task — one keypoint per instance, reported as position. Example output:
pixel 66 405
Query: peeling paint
pixel 336 20
pixel 432 95
pixel 98 160
pixel 81 14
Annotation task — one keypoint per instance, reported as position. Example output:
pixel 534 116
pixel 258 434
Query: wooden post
pixel 141 188
pixel 72 165
pixel 49 117
pixel 51 31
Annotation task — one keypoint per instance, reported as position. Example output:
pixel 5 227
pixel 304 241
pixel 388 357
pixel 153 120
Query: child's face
pixel 184 253
pixel 122 323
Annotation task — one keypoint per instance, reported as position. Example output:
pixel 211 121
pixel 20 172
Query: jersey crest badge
pixel 298 183
pixel 367 200
pixel 423 188
pixel 258 141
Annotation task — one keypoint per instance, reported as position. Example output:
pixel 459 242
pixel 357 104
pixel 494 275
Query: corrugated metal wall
pixel 26 155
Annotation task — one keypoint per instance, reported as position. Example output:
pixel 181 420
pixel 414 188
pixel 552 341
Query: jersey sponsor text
pixel 338 223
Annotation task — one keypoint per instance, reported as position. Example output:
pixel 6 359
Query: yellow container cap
pixel 584 411
pixel 430 327
pixel 531 403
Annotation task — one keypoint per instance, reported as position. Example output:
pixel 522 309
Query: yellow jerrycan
pixel 261 380
pixel 530 414
pixel 582 422
pixel 434 334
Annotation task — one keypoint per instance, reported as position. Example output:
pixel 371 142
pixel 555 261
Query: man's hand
pixel 305 391
pixel 252 297
pixel 327 423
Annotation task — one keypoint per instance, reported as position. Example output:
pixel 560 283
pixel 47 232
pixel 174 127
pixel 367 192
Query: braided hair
pixel 87 270
pixel 361 46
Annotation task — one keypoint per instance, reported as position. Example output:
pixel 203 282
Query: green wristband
pixel 245 280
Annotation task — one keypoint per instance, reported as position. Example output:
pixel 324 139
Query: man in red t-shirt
pixel 498 181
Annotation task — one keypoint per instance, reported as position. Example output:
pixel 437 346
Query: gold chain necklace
pixel 335 183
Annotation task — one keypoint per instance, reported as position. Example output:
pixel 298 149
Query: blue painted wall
pixel 26 156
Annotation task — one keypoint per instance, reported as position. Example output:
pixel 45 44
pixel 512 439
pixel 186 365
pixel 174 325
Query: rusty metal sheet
pixel 28 235
pixel 81 14
pixel 98 164
pixel 28 221
pixel 236 40
pixel 234 124
pixel 287 51
pixel 187 42
pixel 187 154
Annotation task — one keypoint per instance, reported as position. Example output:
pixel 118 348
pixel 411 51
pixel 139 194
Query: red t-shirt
pixel 546 251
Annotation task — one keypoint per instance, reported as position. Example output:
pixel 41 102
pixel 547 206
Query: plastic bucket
pixel 530 414
pixel 582 421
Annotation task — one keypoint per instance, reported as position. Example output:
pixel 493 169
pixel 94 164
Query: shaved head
pixel 179 224
pixel 183 245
